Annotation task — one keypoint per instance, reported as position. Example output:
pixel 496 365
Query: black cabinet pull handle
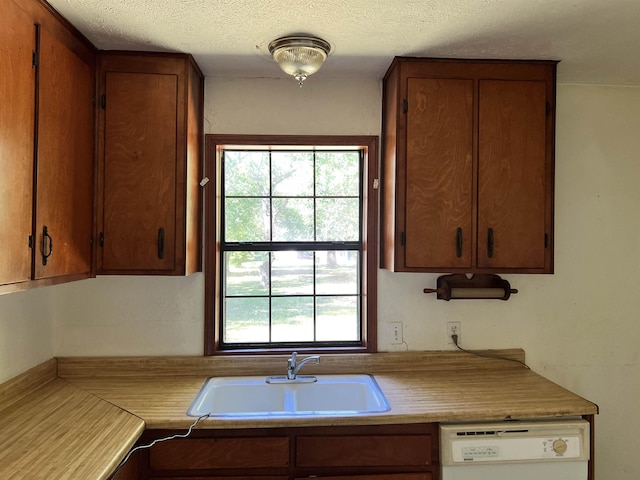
pixel 459 242
pixel 45 236
pixel 490 243
pixel 161 243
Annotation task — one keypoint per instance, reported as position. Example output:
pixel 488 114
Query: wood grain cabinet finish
pixel 17 114
pixel 47 152
pixel 468 166
pixel 220 453
pixel 383 452
pixel 65 158
pixel 393 476
pixel 149 164
pixel 234 477
pixel 363 450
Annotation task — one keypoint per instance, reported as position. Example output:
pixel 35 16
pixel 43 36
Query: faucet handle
pixel 291 366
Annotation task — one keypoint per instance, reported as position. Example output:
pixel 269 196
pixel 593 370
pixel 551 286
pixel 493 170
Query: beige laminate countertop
pixel 117 398
pixel 58 431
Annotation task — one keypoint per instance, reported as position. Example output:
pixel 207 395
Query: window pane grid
pixel 297 318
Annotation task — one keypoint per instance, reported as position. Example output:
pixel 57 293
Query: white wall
pixel 127 315
pixel 280 107
pixel 25 331
pixel 579 327
pixel 164 316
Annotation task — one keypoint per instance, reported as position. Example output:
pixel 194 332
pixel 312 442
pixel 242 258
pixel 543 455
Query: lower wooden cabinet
pixel 380 452
pixel 363 450
pixel 261 477
pixel 393 476
pixel 218 453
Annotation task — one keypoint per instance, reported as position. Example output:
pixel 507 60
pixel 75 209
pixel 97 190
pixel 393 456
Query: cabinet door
pixel 250 477
pixel 17 91
pixel 64 191
pixel 439 173
pixel 363 451
pixel 139 189
pixel 220 453
pixel 389 476
pixel 244 477
pixel 511 174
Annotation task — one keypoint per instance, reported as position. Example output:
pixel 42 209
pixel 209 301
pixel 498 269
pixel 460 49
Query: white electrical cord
pixel 158 440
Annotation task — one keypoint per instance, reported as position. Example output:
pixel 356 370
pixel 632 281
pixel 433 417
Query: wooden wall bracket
pixel 459 287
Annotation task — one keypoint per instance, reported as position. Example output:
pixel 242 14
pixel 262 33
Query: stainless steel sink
pixel 330 395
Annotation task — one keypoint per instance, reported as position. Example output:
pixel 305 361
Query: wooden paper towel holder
pixel 476 287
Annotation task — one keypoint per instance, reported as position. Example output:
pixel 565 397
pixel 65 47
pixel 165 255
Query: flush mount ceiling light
pixel 299 56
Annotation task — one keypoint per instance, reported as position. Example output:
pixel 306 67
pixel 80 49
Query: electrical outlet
pixel 453 328
pixel 395 333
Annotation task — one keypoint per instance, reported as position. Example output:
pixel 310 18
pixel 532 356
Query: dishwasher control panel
pixel 502 442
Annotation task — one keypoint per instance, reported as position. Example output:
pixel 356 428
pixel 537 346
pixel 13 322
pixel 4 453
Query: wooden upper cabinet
pixel 439 173
pixel 47 148
pixel 468 164
pixel 140 171
pixel 17 113
pixel 150 148
pixel 65 159
pixel 512 179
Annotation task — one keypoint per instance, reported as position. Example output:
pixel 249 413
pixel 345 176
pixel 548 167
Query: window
pixel 290 244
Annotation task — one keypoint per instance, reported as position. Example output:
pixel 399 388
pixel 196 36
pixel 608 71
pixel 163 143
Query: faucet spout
pixel 293 367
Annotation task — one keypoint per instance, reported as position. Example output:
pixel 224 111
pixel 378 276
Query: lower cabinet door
pixel 321 451
pixel 211 453
pixel 226 478
pixel 388 476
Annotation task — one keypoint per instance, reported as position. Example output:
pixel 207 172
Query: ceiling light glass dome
pixel 299 56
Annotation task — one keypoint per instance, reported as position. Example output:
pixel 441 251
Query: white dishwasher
pixel 515 450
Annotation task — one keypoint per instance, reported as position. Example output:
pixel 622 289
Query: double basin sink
pixel 326 395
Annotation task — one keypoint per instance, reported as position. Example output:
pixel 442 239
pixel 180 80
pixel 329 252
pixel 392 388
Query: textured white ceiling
pixel 597 41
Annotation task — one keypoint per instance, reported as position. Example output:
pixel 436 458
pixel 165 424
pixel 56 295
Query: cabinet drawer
pixel 205 453
pixel 363 450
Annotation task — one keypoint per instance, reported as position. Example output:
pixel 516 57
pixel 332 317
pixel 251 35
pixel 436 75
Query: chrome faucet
pixel 293 368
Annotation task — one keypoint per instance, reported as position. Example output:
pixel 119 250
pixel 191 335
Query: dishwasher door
pixel 515 450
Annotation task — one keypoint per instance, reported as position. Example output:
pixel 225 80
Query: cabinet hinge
pixel 34 59
pixel 376 183
pixel 548 109
pixel 30 241
pixel 403 239
pixel 405 106
pixel 546 240
pixel 93 100
pixel 103 102
pixel 101 239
